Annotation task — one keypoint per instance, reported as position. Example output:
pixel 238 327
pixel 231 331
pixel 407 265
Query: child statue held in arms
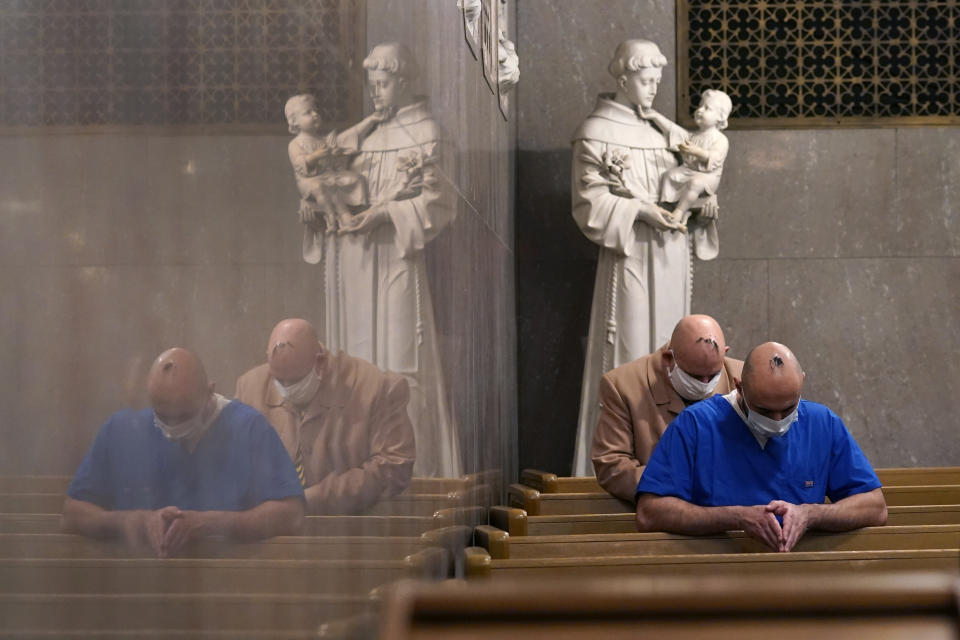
pixel 321 165
pixel 703 154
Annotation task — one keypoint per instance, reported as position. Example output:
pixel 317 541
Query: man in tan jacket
pixel 639 399
pixel 343 421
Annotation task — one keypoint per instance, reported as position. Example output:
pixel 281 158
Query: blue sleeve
pixel 850 471
pixel 91 483
pixel 670 469
pixel 273 476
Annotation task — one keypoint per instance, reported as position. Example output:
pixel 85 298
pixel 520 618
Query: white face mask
pixel 689 387
pixel 185 430
pixel 301 392
pixel 768 427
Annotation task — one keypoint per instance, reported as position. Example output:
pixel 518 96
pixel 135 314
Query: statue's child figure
pixel 321 164
pixel 703 153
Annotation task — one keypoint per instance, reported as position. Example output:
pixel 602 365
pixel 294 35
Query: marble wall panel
pixel 566 47
pixel 876 338
pixel 736 293
pixel 78 342
pixel 125 199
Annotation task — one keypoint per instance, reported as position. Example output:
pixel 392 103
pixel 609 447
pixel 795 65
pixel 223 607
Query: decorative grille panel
pixel 176 62
pixel 803 62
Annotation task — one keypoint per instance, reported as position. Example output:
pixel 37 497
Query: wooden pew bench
pixel 728 608
pixel 421 505
pixel 536 503
pixel 517 523
pixel 178 575
pixel 59 484
pixel 546 482
pixel 30 523
pixel 266 612
pixel 501 545
pixel 61 545
pixel 479 564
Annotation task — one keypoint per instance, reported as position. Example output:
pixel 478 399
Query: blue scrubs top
pixel 238 463
pixel 709 457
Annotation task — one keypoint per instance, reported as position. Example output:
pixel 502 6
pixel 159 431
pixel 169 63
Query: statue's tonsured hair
pixel 394 58
pixel 633 55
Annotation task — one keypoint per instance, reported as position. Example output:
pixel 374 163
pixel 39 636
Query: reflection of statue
pixel 471 17
pixel 508 65
pixel 642 287
pixel 703 153
pixel 377 300
pixel 320 165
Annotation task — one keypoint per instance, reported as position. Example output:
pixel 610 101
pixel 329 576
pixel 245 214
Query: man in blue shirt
pixel 759 459
pixel 194 465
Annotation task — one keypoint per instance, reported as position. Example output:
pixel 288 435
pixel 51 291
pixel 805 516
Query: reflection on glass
pixel 163 227
pixel 193 465
pixel 370 246
pixel 343 421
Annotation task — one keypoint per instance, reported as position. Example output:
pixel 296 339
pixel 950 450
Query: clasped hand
pixel 166 531
pixel 760 523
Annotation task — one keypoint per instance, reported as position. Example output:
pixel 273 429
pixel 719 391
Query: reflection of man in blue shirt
pixel 757 457
pixel 195 464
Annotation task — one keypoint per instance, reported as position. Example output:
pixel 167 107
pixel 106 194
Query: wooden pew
pixel 367 525
pixel 30 523
pixel 479 564
pixel 501 545
pixel 911 495
pixel 422 505
pixel 139 575
pixel 129 612
pixel 31 502
pixel 314 525
pixel 542 504
pixel 729 608
pixel 62 545
pixel 34 484
pixel 517 523
pixel 546 482
pixel 536 503
pixel 59 484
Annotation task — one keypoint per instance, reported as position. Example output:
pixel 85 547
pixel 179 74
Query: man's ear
pixel 668 358
pixel 321 358
pixel 725 349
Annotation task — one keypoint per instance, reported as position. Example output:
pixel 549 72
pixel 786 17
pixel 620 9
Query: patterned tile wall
pixel 176 62
pixel 826 60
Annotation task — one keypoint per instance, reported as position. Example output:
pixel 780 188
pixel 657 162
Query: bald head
pixel 292 350
pixel 698 346
pixel 772 380
pixel 178 385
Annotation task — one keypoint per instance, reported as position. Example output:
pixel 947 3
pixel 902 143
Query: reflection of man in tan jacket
pixel 343 421
pixel 639 399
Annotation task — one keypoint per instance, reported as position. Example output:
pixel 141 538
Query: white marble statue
pixel 377 301
pixel 644 272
